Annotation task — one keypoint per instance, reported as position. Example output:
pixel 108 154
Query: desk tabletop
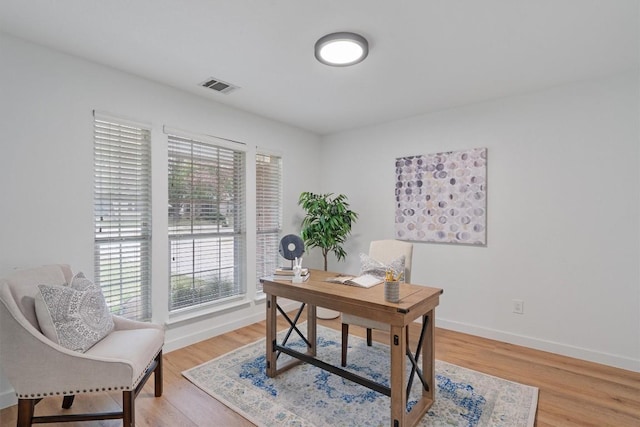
pixel 415 300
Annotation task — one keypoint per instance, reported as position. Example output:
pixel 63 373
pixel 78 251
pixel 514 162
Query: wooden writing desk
pixel 415 302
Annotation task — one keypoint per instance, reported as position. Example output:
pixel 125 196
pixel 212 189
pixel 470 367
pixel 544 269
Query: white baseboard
pixel 544 345
pixel 202 335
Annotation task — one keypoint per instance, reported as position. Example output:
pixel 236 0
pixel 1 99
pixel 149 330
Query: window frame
pixel 267 255
pixel 202 289
pixel 122 195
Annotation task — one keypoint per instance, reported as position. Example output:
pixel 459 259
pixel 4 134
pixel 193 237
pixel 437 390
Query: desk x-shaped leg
pixel 292 326
pixel 274 349
pixel 402 381
pixel 414 360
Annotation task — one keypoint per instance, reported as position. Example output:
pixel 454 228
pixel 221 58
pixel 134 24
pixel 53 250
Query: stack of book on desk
pixel 283 273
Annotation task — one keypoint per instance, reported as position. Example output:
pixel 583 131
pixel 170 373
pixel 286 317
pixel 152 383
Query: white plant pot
pixel 325 313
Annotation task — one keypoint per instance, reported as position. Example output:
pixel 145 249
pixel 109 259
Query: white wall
pixel 563 215
pixel 46 168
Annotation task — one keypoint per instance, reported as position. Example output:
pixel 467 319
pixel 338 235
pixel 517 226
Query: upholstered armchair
pixel 384 251
pixel 38 367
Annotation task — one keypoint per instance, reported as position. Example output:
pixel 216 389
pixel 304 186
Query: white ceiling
pixel 425 55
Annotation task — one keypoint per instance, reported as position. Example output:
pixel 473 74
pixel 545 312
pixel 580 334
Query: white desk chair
pixel 384 251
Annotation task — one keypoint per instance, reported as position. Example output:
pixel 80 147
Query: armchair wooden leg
pixel 345 343
pixel 128 409
pixel 25 412
pixel 157 378
pixel 369 337
pixel 67 401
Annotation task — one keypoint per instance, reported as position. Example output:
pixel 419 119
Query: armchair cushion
pixel 371 266
pixel 75 316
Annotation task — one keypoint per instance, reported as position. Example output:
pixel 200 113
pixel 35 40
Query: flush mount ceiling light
pixel 341 49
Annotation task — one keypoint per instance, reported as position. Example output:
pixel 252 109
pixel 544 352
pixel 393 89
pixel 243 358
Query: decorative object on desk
pixel 291 247
pixel 392 290
pixel 442 197
pixel 326 225
pixel 308 396
pixel 369 265
pixel 289 277
pixel 289 272
pixel 297 271
pixel 392 285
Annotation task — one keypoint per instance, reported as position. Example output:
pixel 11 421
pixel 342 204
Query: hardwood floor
pixel 572 392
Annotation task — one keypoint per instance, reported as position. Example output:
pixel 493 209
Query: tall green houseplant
pixel 327 223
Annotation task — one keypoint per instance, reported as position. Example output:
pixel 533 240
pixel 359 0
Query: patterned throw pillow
pixel 75 316
pixel 378 269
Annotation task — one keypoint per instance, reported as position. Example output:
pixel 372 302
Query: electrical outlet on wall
pixel 518 306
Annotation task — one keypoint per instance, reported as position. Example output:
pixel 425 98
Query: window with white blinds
pixel 122 216
pixel 207 231
pixel 268 213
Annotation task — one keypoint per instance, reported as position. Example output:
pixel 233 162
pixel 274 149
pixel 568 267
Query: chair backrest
pixel 19 289
pixel 386 251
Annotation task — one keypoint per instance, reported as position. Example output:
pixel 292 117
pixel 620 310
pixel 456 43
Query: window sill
pixel 195 313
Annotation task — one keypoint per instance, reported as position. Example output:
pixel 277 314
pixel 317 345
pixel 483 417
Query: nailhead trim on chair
pixel 65 393
pixel 54 393
pixel 135 383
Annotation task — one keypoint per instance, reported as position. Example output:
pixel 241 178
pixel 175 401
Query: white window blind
pixel 207 230
pixel 268 213
pixel 122 216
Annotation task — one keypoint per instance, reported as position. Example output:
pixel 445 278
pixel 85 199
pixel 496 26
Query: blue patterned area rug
pixel 308 396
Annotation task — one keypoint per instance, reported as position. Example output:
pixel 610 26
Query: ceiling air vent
pixel 218 85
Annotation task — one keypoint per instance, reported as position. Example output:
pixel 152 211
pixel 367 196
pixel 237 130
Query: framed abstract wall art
pixel 442 197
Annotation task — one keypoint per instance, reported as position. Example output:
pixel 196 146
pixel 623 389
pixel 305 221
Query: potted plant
pixel 326 226
pixel 327 223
